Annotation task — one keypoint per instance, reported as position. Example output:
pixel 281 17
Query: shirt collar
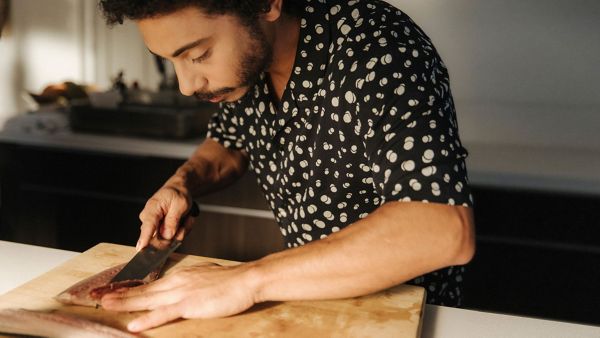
pixel 308 73
pixel 312 54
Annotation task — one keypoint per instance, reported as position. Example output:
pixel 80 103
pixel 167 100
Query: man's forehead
pixel 166 34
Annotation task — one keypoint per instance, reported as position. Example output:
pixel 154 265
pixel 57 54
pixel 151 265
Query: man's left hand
pixel 202 291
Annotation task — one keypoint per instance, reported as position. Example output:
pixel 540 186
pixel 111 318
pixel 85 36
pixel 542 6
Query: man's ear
pixel 275 8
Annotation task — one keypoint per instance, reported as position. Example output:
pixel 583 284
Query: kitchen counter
pixel 506 166
pixel 51 129
pixel 566 170
pixel 21 263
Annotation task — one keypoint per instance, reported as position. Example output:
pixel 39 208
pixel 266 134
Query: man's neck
pixel 285 42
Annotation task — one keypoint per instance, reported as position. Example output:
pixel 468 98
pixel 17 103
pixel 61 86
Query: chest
pixel 278 84
pixel 295 147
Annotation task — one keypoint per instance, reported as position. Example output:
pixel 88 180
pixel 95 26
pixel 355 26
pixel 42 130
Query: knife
pixel 152 256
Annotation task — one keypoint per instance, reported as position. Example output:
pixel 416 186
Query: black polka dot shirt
pixel 367 117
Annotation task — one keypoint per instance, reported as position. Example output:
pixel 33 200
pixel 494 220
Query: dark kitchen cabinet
pixel 538 255
pixel 72 200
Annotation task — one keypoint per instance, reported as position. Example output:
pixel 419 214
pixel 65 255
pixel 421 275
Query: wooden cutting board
pixel 396 312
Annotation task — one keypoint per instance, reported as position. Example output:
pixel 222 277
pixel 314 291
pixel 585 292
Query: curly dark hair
pixel 116 11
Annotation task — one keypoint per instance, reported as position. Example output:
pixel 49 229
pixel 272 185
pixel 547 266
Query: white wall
pixel 43 46
pixel 121 48
pixel 65 40
pixel 8 75
pixel 523 72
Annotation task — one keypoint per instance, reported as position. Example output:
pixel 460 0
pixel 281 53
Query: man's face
pixel 216 58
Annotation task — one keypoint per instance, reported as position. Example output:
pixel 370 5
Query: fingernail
pixel 168 234
pixel 137 246
pixel 133 326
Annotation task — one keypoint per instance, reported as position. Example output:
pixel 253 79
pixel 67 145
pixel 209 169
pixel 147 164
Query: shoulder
pixel 372 38
pixel 366 23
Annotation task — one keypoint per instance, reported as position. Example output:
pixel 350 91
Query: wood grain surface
pixel 396 312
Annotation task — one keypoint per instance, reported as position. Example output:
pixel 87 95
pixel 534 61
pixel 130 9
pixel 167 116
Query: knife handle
pixel 194 210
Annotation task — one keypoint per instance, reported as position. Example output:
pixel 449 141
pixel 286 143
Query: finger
pixel 146 232
pixel 190 219
pixel 207 265
pixel 155 318
pixel 125 301
pixel 185 229
pixel 130 292
pixel 165 283
pixel 151 217
pixel 172 219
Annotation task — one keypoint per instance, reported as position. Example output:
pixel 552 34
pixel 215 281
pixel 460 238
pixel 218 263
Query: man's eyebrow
pixel 188 46
pixel 151 52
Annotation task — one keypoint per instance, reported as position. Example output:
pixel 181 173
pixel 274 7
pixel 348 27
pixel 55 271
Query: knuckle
pixel 173 220
pixel 152 201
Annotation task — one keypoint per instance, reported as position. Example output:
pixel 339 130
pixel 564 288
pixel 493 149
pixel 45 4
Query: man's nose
pixel 189 82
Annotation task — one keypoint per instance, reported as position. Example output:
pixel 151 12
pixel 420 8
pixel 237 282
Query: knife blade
pixel 152 256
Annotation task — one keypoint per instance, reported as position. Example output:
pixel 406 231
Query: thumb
pixel 155 318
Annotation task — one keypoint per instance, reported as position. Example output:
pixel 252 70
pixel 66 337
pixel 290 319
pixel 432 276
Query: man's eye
pixel 201 57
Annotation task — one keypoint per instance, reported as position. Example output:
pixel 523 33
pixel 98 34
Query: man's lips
pixel 216 99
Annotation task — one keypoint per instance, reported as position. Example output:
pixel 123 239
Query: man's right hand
pixel 210 167
pixel 163 213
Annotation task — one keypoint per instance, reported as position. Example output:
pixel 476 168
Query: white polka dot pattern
pixel 367 117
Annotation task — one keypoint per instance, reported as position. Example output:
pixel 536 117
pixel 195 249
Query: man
pixel 343 111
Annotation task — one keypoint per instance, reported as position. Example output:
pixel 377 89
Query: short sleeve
pixel 224 129
pixel 413 144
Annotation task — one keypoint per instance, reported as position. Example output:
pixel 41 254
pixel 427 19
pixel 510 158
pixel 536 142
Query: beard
pixel 254 61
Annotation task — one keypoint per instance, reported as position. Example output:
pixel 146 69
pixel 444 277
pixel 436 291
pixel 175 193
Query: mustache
pixel 205 96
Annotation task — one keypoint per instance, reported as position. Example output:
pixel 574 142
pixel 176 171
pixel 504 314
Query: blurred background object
pixel 60 56
pixel 131 110
pixel 4 10
pixel 59 93
pixel 517 69
pixel 52 42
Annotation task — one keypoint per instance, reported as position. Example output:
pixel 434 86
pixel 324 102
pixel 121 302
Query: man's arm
pixel 397 242
pixel 212 166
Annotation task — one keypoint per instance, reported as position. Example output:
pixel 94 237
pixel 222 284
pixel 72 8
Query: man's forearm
pixel 396 243
pixel 210 168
